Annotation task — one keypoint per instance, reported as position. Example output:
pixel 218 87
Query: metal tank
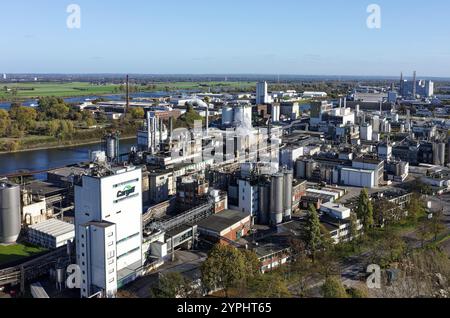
pixel 227 115
pixel 309 168
pixel 111 144
pixel 264 204
pixel 287 194
pixel 300 169
pixel 276 195
pixel 10 216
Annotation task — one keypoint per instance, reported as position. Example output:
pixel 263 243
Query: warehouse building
pixel 225 227
pixel 51 234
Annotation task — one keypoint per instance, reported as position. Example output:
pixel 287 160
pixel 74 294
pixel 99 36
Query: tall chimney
pixel 127 95
pixel 207 120
pixel 414 85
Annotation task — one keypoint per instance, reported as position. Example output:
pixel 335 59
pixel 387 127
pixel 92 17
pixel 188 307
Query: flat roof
pixel 222 220
pixel 335 207
pixel 53 227
pixel 43 188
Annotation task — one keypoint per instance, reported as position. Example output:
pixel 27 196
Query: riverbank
pixel 66 144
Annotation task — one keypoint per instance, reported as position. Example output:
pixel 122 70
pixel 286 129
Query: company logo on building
pixel 127 191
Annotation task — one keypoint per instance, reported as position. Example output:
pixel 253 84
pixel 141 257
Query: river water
pixel 44 159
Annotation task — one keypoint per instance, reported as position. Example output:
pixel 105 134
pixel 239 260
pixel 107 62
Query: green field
pixel 11 253
pixel 34 90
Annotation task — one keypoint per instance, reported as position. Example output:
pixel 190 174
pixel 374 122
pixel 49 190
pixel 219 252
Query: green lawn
pixel 10 253
pixel 34 90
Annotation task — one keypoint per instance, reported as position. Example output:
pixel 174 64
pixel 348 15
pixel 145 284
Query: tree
pixel 313 234
pixel 223 269
pixel 354 292
pixel 172 285
pixel 137 113
pixel 436 224
pixel 270 285
pixel 333 288
pixel 25 118
pixel 53 108
pixel 5 122
pixel 353 230
pixel 415 207
pixel 364 210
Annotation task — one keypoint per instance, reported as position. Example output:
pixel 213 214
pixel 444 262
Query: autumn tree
pixel 313 235
pixel 364 210
pixel 172 285
pixel 333 288
pixel 5 122
pixel 226 267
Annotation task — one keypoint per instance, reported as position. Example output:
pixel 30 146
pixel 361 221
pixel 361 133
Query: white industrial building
pixel 248 197
pixel 108 223
pixel 51 234
pixel 366 132
pixel 358 177
pixel 336 210
pixel 314 95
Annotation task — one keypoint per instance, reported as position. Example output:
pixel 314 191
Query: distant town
pixel 217 186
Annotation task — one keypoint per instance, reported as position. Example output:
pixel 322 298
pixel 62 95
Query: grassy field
pixel 11 253
pixel 34 90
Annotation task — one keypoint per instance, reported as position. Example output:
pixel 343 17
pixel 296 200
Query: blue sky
pixel 320 37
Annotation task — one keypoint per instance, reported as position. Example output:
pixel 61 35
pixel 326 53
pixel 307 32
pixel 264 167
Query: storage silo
pixel 264 204
pixel 227 115
pixel 276 195
pixel 10 218
pixel 300 169
pixel 287 194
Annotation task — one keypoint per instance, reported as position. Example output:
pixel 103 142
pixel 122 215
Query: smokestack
pixel 160 133
pixel 414 85
pixel 207 120
pixel 128 95
pixel 170 128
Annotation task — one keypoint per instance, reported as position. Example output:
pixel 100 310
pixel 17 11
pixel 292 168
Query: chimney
pixel 127 95
pixel 414 85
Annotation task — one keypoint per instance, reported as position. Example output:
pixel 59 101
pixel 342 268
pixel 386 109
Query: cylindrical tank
pixel 60 275
pixel 300 171
pixel 309 168
pixel 227 115
pixel 10 218
pixel 264 204
pixel 441 153
pixel 276 195
pixel 111 146
pixel 287 194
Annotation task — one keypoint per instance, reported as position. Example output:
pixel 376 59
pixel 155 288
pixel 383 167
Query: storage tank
pixel 112 146
pixel 264 204
pixel 287 194
pixel 276 195
pixel 309 168
pixel 227 115
pixel 10 218
pixel 300 169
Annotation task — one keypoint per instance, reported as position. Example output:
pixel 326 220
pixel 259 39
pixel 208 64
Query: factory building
pixel 10 214
pixel 358 177
pixel 225 226
pixel 108 226
pixel 51 234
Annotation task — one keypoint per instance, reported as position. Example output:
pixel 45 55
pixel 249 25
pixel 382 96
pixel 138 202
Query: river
pixel 44 159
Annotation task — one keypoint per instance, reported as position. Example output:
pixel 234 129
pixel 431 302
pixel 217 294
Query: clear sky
pixel 319 37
